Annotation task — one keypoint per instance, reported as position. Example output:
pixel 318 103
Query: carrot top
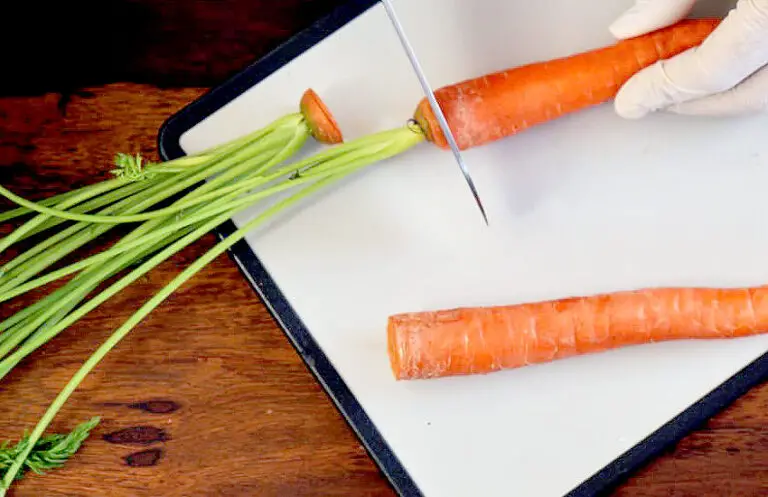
pixel 320 121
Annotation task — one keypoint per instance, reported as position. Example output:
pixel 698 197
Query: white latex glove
pixel 726 75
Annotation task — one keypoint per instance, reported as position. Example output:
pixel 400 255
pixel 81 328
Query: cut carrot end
pixel 482 340
pixel 427 121
pixel 392 348
pixel 321 122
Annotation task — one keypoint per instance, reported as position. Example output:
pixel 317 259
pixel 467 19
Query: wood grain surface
pixel 206 396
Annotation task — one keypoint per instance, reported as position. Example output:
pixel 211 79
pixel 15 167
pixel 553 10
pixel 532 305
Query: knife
pixel 433 102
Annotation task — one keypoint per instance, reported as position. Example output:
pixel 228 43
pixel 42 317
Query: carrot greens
pixel 49 452
pixel 215 187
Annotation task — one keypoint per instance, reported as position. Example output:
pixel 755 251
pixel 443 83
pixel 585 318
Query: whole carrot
pixel 493 106
pixel 479 340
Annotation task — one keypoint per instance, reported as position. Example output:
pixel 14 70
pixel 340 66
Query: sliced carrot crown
pixel 321 122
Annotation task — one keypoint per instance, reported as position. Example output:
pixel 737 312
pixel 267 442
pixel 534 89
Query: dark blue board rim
pixel 601 483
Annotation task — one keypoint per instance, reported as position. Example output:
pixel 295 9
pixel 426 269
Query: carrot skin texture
pixel 485 109
pixel 481 340
pixel 322 124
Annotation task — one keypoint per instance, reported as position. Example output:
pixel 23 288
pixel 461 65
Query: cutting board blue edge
pixel 169 146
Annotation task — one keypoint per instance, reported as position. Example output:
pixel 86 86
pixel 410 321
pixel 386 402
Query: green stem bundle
pixel 264 148
pixel 235 177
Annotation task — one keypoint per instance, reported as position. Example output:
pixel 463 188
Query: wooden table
pixel 206 396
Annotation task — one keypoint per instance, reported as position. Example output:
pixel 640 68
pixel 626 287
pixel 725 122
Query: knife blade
pixel 433 102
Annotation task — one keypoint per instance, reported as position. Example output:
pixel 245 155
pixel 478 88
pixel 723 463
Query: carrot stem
pixel 348 158
pixel 333 167
pixel 274 142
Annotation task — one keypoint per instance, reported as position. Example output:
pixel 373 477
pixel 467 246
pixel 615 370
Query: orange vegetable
pixel 493 106
pixel 482 340
pixel 320 121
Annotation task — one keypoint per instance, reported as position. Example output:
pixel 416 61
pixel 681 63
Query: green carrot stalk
pixel 47 312
pixel 231 207
pixel 48 202
pixel 179 206
pixel 51 309
pixel 122 163
pixel 115 219
pixel 335 168
pixel 129 171
pixel 149 306
pixel 102 188
pixel 175 166
pixel 89 206
pixel 60 304
pixel 128 325
pixel 77 289
pixel 157 193
pixel 21 316
pixel 317 121
pixel 392 143
pixel 312 120
pixel 197 168
pixel 83 233
pixel 14 275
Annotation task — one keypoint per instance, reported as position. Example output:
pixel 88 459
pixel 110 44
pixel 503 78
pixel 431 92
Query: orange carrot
pixel 320 121
pixel 490 107
pixel 478 340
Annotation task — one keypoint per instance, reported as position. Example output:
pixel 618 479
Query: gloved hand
pixel 725 75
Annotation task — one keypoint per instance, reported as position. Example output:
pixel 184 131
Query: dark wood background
pixel 206 396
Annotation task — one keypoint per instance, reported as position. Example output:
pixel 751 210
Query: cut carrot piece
pixel 501 104
pixel 321 122
pixel 478 340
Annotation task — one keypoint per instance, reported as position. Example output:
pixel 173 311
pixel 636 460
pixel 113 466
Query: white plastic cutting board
pixel 587 204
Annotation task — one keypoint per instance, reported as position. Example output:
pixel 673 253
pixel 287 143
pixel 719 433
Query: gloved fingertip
pixel 631 101
pixel 628 25
pixel 629 110
pixel 649 15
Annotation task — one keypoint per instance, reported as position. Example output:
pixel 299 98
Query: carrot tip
pixel 321 122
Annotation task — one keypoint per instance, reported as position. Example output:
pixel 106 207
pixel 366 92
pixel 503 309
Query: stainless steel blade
pixel 433 102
